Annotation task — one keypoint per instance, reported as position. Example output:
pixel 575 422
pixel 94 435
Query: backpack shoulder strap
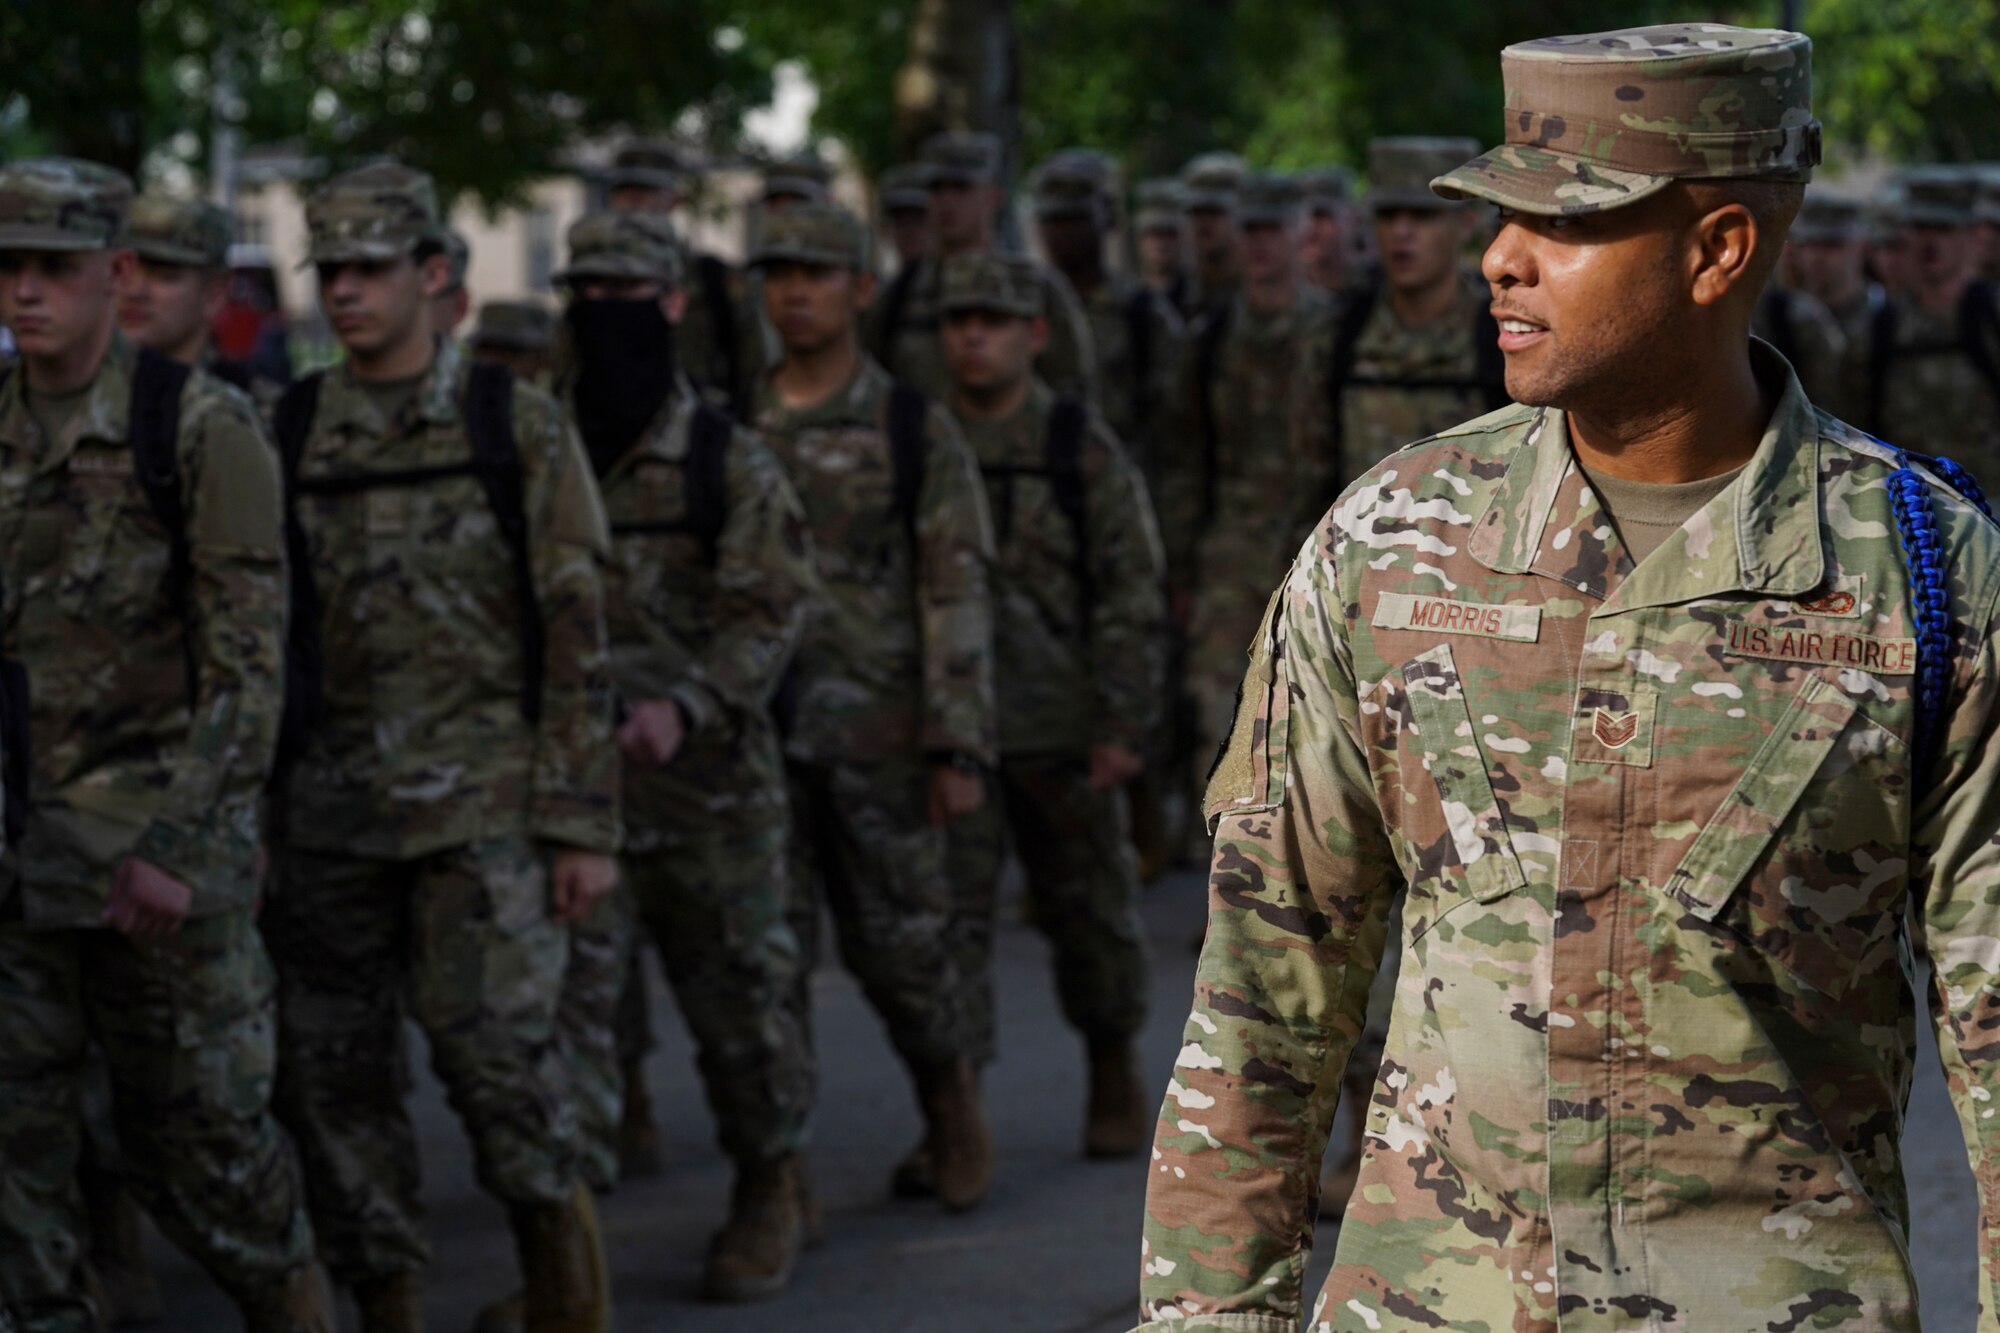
pixel 496 461
pixel 292 423
pixel 1139 331
pixel 706 476
pixel 894 302
pixel 1349 325
pixel 157 384
pixel 908 407
pixel 1207 361
pixel 1064 460
pixel 713 276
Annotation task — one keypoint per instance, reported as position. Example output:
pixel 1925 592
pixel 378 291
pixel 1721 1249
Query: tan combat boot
pixel 118 1255
pixel 564 1285
pixel 961 1146
pixel 298 1304
pixel 638 1136
pixel 393 1303
pixel 753 1255
pixel 1115 1123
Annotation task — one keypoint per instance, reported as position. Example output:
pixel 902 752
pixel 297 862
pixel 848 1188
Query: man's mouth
pixel 1516 333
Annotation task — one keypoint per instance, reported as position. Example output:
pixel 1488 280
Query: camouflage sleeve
pixel 1169 337
pixel 576 761
pixel 1180 452
pixel 1315 448
pixel 1069 363
pixel 1128 610
pixel 203 831
pixel 954 601
pixel 1299 892
pixel 1957 841
pixel 764 586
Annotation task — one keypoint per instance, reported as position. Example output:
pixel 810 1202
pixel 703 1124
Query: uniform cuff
pixel 577 823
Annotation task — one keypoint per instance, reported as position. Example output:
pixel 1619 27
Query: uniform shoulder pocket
pixel 1249 771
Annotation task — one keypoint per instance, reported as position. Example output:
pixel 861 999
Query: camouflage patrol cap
pixel 962 157
pixel 1327 189
pixel 1076 182
pixel 383 211
pixel 458 258
pixel 1400 170
pixel 610 244
pixel 62 203
pixel 521 325
pixel 813 234
pixel 1269 198
pixel 906 187
pixel 1943 196
pixel 1825 218
pixel 803 177
pixel 1159 205
pixel 1209 182
pixel 991 280
pixel 647 164
pixel 168 229
pixel 1606 119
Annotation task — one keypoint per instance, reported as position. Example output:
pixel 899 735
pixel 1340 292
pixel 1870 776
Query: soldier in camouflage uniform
pixel 905 197
pixel 517 335
pixel 1079 621
pixel 1928 366
pixel 1827 255
pixel 450 306
pixel 963 172
pixel 1664 793
pixel 179 283
pixel 1249 453
pixel 1161 231
pixel 453 799
pixel 1328 247
pixel 125 912
pixel 711 580
pixel 890 708
pixel 1208 186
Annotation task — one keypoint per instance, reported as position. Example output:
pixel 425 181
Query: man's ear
pixel 1724 251
pixel 434 275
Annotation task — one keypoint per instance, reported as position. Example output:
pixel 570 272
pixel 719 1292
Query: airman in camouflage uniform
pixel 1249 465
pixel 890 708
pixel 1928 367
pixel 1330 227
pixel 1662 815
pixel 1828 258
pixel 454 796
pixel 517 335
pixel 1208 186
pixel 1161 231
pixel 125 912
pixel 905 196
pixel 707 596
pixel 1079 634
pixel 962 170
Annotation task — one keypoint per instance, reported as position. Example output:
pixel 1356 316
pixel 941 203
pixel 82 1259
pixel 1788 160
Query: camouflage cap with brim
pixel 62 203
pixel 1209 182
pixel 1401 168
pixel 1607 119
pixel 645 164
pixel 817 234
pixel 991 280
pixel 906 188
pixel 169 229
pixel 383 211
pixel 1269 199
pixel 1158 205
pixel 521 325
pixel 1829 219
pixel 1943 196
pixel 802 177
pixel 962 157
pixel 457 258
pixel 1076 182
pixel 611 244
pixel 1327 189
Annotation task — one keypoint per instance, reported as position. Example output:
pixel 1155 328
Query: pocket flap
pixel 1458 766
pixel 1758 806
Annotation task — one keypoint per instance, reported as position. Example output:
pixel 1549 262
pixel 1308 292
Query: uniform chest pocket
pixel 116 553
pixel 1807 857
pixel 1475 841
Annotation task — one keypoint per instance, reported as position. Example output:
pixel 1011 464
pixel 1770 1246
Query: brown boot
pixel 638 1137
pixel 1115 1123
pixel 298 1304
pixel 753 1255
pixel 1343 1160
pixel 393 1303
pixel 913 1177
pixel 564 1285
pixel 118 1256
pixel 961 1146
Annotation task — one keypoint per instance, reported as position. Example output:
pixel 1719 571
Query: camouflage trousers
pixel 1083 881
pixel 185 1024
pixel 716 909
pixel 862 839
pixel 464 937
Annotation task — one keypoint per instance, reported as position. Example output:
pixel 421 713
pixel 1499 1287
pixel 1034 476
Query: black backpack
pixel 895 302
pixel 1978 330
pixel 705 487
pixel 712 277
pixel 1062 468
pixel 495 460
pixel 1139 330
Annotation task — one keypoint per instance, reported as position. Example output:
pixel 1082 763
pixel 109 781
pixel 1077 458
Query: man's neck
pixel 807 379
pixel 73 369
pixel 997 404
pixel 1693 426
pixel 408 359
pixel 1272 297
pixel 188 352
pixel 1433 303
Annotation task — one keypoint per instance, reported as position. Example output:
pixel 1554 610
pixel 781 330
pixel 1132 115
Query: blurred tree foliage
pixel 488 93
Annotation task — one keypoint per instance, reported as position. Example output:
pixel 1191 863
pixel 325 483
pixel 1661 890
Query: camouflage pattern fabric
pixel 1605 119
pixel 462 936
pixel 608 244
pixel 125 763
pixel 992 281
pixel 971 157
pixel 525 325
pixel 422 744
pixel 812 234
pixel 62 203
pixel 1135 412
pixel 172 230
pixel 905 186
pixel 916 355
pixel 384 211
pixel 1935 399
pixel 898 658
pixel 1626 1056
pixel 185 1026
pixel 599 973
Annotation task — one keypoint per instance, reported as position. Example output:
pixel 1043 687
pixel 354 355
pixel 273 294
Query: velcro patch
pixel 1448 615
pixel 1824 647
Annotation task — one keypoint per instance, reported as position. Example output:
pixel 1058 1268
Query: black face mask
pixel 625 370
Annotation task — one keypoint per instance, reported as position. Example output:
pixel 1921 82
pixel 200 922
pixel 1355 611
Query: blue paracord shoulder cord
pixel 1923 553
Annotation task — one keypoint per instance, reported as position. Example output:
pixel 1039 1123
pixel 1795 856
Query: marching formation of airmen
pixel 713 605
